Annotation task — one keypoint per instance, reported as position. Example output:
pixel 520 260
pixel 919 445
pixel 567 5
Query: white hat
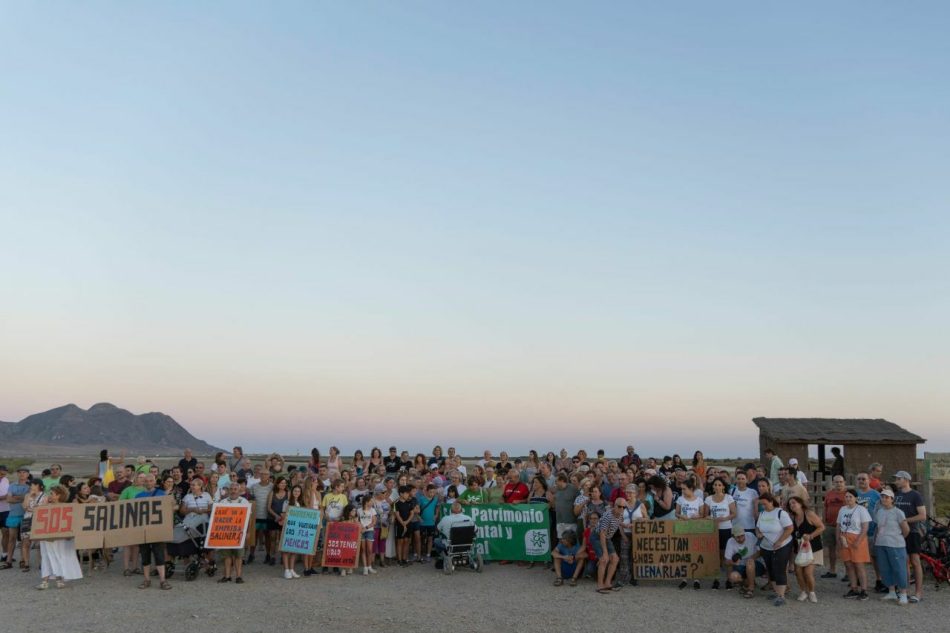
pixel 793 462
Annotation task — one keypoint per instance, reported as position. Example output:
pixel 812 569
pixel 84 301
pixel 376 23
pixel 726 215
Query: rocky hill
pixel 71 430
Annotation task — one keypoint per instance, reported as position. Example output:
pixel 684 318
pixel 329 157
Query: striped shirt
pixel 608 524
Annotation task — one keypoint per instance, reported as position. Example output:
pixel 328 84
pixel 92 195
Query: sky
pixel 487 225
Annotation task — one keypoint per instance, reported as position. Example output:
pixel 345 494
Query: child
pixel 593 518
pixel 381 532
pixel 568 559
pixel 406 508
pixel 334 503
pixel 428 517
pixel 349 516
pixel 367 518
pixel 290 560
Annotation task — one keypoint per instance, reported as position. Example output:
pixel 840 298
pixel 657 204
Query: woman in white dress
pixel 59 561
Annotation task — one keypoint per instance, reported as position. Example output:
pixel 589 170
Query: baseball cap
pixel 887 492
pixel 433 466
pixel 902 474
pixel 737 530
pixel 793 462
pixel 23 469
pixel 379 488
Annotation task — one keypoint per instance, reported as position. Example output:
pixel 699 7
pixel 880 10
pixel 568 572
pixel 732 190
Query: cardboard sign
pixel 675 550
pixel 108 524
pixel 342 545
pixel 227 527
pixel 301 529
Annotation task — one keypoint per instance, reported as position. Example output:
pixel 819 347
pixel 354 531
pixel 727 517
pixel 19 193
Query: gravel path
pixel 499 598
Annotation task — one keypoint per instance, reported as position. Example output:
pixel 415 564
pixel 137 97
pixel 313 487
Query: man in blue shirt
pixel 869 498
pixel 15 495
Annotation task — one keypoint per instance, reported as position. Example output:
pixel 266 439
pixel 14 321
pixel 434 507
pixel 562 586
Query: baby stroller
pixel 188 540
pixel 460 551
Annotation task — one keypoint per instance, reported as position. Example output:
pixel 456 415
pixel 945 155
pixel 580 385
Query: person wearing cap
pixel 891 547
pixel 742 552
pixel 381 531
pixel 799 475
pixel 911 503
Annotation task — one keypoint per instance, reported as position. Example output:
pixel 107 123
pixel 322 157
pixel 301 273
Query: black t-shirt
pixel 393 464
pixel 404 508
pixel 185 464
pixel 908 502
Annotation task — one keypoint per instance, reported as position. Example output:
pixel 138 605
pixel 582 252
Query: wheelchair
pixel 460 551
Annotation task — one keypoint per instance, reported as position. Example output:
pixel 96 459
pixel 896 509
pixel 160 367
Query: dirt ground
pixel 422 598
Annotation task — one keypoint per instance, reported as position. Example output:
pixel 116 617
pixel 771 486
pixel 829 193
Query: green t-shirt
pixel 49 482
pixel 130 492
pixel 472 497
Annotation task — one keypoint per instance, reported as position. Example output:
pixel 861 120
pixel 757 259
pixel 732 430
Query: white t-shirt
pixel 689 509
pixel 720 509
pixel 802 479
pixel 772 523
pixel 366 517
pixel 851 520
pixel 746 501
pixel 4 491
pixel 746 551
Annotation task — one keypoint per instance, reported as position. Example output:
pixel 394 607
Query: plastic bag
pixel 805 556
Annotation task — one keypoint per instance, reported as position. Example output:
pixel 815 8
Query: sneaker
pixel 696 584
pixel 803 596
pixel 813 597
pixel 829 574
pixel 880 588
pixel 715 584
pixel 366 571
pixel 852 594
pixel 294 574
pixel 287 574
pixel 890 596
pixel 778 602
pixel 902 600
pixel 250 559
pixel 684 584
pixel 863 596
pixel 307 573
pixel 845 578
pixel 239 580
pixel 372 571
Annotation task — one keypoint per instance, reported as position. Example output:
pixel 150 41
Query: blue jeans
pixel 892 562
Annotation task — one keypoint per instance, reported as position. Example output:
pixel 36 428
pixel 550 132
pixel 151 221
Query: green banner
pixel 511 531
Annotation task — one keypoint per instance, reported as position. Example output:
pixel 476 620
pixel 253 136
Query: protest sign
pixel 300 532
pixel 675 550
pixel 113 524
pixel 228 526
pixel 342 545
pixel 510 531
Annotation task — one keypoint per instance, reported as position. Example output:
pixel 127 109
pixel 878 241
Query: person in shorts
pixel 367 516
pixel 233 559
pixel 742 553
pixel 832 503
pixel 405 511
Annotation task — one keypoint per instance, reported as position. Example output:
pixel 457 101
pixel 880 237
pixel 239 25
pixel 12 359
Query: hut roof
pixel 836 431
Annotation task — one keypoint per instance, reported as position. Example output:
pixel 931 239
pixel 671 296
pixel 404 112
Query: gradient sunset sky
pixel 477 224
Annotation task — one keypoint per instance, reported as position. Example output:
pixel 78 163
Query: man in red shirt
pixel 515 491
pixel 834 499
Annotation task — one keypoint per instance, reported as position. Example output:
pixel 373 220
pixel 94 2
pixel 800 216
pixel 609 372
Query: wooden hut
pixel 863 442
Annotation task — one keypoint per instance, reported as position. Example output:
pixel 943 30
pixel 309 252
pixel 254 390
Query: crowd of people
pixel 768 527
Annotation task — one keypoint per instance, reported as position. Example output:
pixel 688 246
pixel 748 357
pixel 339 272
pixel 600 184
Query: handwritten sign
pixel 342 545
pixel 300 532
pixel 227 528
pixel 113 524
pixel 675 550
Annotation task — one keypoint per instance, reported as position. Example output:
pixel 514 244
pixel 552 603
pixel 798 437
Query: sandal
pixel 603 591
pixel 60 584
pixel 6 566
pixel 26 568
pixel 572 582
pixel 558 582
pixel 43 585
pixel 127 572
pixel 145 584
pixel 164 585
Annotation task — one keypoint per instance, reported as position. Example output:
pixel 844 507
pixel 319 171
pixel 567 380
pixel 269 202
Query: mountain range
pixel 71 430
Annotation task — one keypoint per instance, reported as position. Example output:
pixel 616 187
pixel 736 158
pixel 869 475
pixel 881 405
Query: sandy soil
pixel 501 598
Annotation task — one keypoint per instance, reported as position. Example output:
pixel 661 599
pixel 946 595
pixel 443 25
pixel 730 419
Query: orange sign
pixel 228 526
pixel 52 520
